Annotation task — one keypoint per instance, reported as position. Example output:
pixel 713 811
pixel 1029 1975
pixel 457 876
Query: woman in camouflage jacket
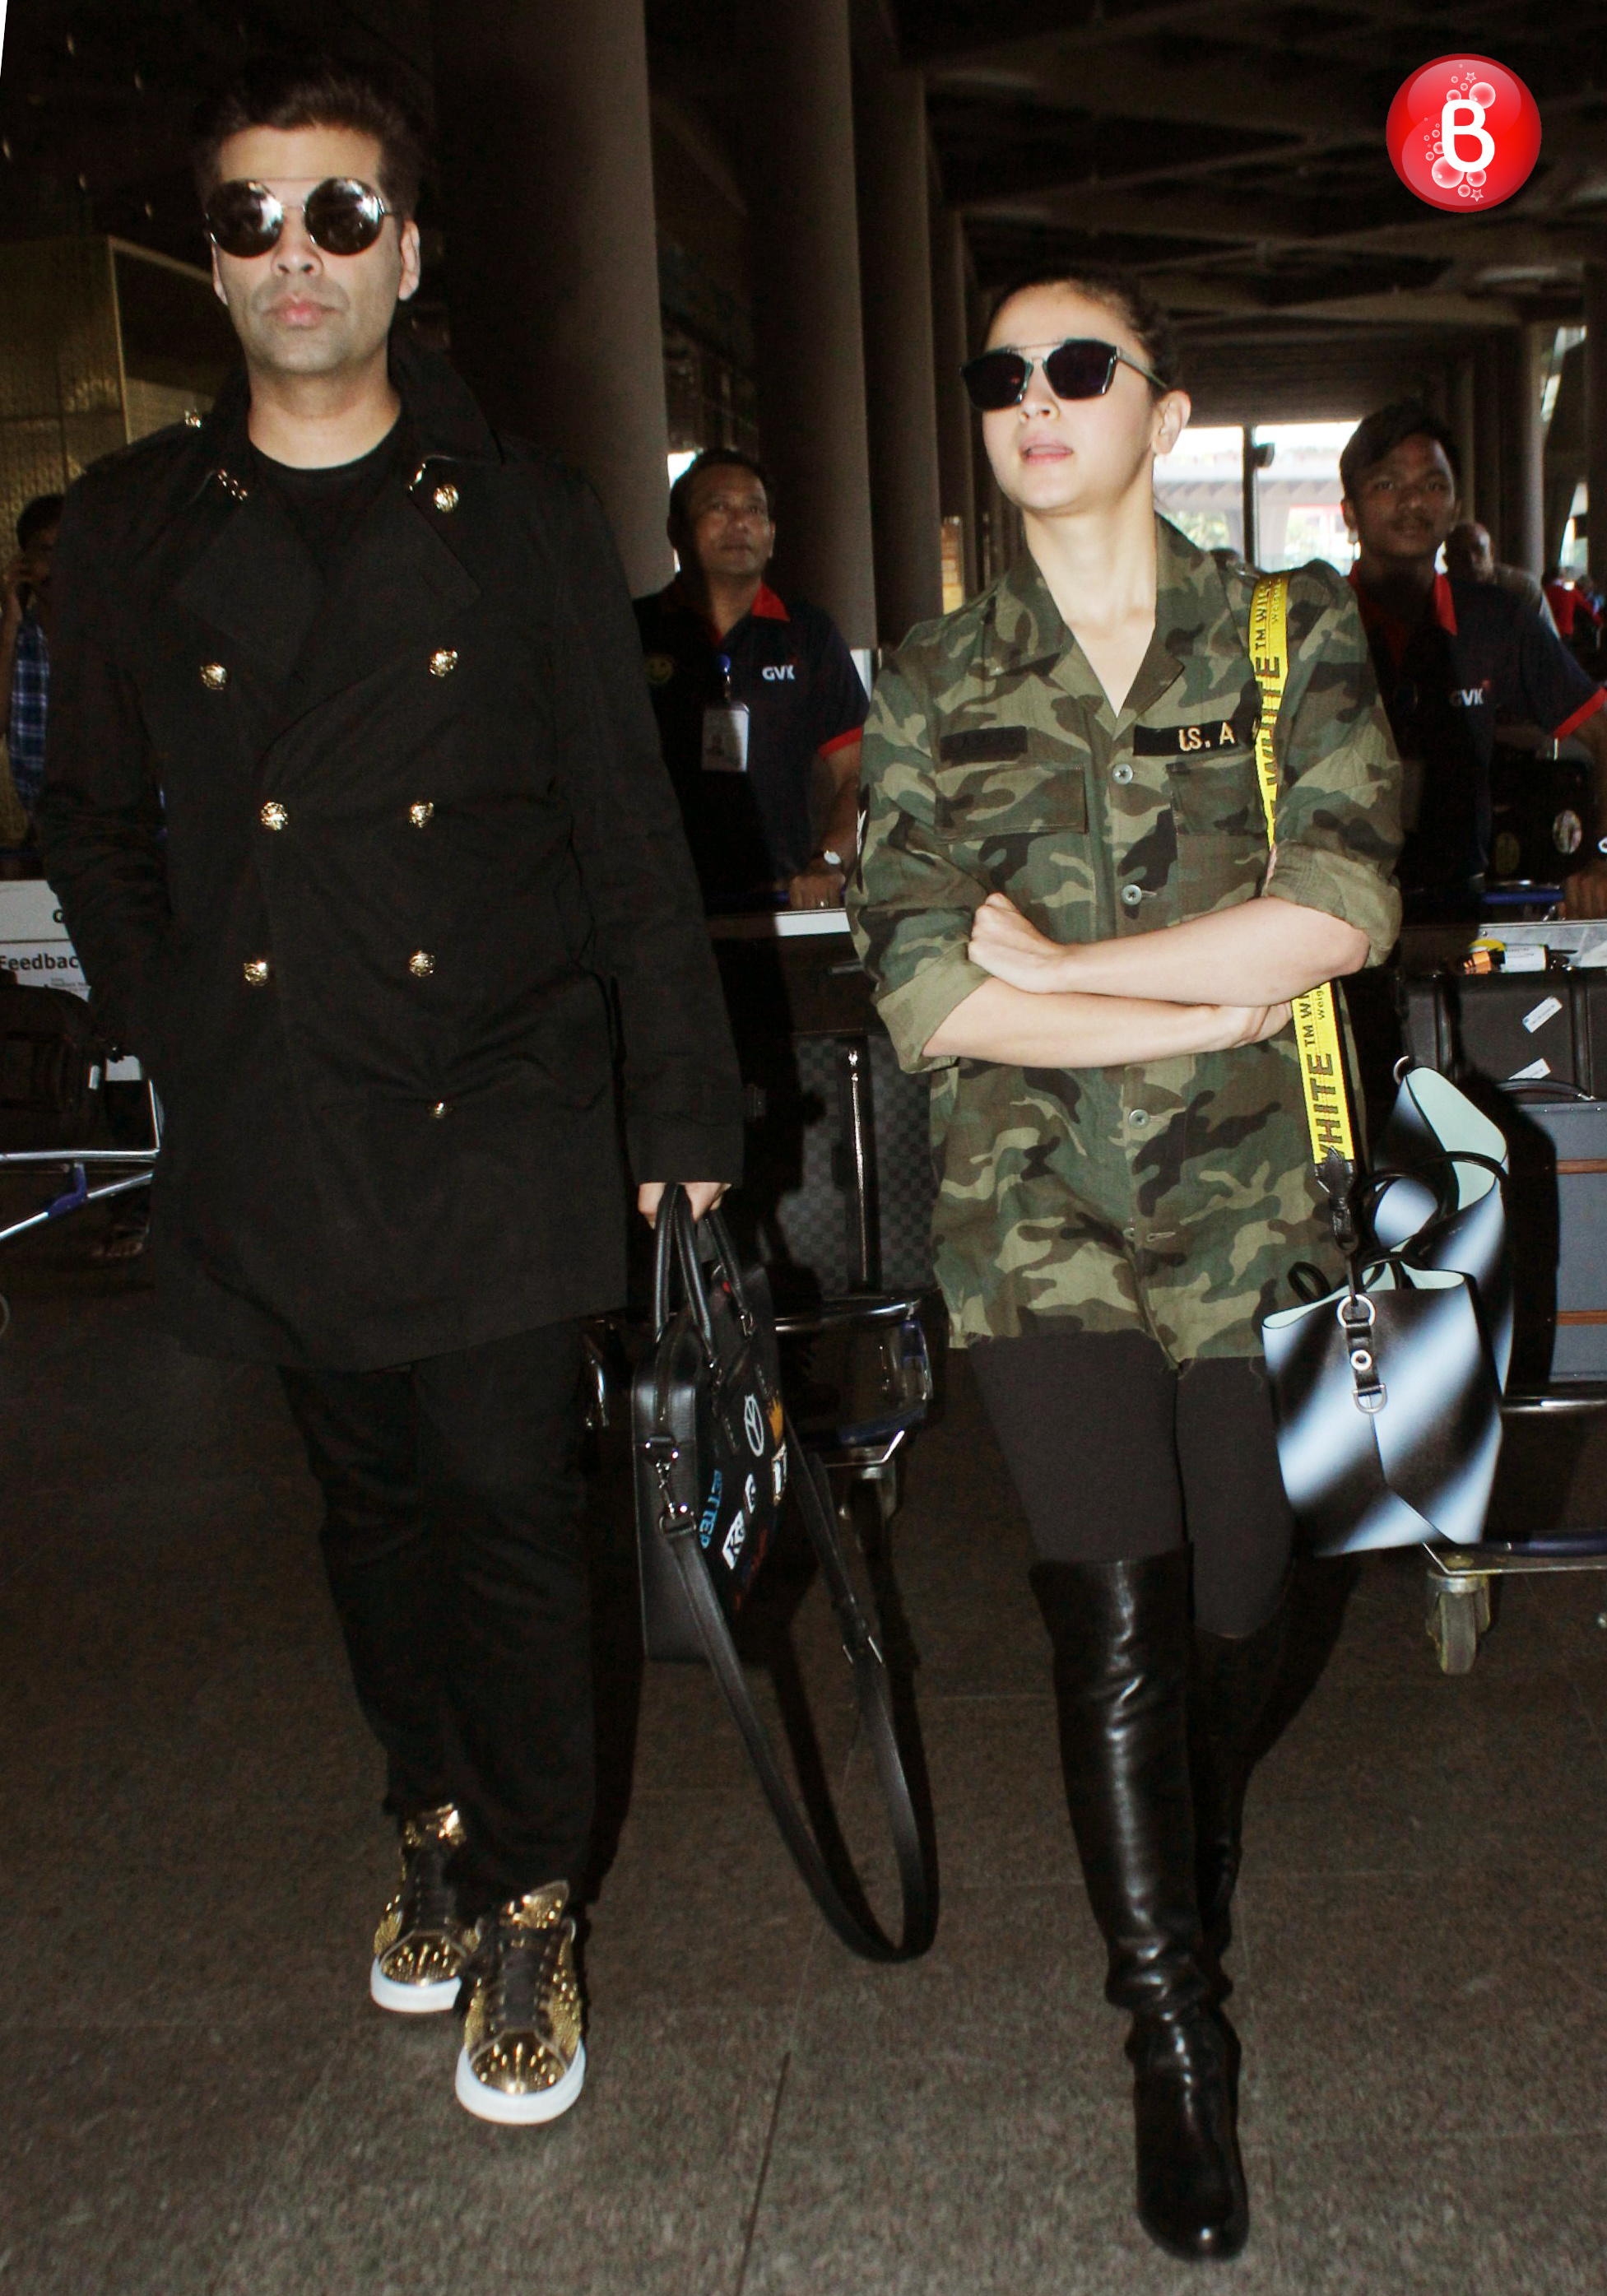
pixel 1067 904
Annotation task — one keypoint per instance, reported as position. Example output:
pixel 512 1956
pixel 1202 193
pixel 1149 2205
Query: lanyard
pixel 1316 1021
pixel 721 663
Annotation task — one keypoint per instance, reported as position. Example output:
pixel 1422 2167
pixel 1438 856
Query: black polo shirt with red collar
pixel 790 666
pixel 1478 654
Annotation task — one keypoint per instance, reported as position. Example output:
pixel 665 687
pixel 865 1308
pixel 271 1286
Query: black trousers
pixel 453 1543
pixel 1117 1457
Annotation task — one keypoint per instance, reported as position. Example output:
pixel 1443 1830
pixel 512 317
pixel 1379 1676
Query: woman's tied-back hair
pixel 289 93
pixel 1121 294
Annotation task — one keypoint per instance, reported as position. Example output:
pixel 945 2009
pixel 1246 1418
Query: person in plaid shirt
pixel 25 647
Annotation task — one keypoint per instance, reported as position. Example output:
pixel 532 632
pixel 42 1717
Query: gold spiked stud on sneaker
pixel 522 2058
pixel 422 1948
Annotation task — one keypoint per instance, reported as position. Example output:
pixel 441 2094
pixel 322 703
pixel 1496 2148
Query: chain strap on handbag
pixel 716 1451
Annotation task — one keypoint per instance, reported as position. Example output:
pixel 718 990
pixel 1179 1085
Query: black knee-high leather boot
pixel 1122 1646
pixel 1232 1681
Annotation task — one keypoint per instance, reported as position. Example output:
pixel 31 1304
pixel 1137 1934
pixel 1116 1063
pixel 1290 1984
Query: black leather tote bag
pixel 716 1456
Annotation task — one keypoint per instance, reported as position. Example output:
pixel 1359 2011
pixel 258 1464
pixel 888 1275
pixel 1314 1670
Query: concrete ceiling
pixel 1233 155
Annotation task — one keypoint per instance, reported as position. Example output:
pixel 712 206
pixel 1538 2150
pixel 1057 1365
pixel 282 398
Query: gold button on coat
pixel 422 813
pixel 213 676
pixel 445 498
pixel 274 815
pixel 443 661
pixel 421 965
pixel 257 970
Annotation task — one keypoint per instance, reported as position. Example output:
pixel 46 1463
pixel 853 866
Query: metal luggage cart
pixel 133 1168
pixel 1459 1578
pixel 865 1228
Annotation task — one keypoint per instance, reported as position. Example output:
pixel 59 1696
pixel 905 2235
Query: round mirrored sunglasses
pixel 342 217
pixel 1080 368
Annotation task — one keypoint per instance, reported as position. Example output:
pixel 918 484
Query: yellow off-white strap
pixel 1316 1022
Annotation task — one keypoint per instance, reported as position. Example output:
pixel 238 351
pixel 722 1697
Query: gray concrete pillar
pixel 957 444
pixel 1595 415
pixel 798 111
pixel 553 279
pixel 1488 504
pixel 1465 429
pixel 900 390
pixel 1526 524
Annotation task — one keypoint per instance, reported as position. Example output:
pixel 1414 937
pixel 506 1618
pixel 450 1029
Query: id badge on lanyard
pixel 725 729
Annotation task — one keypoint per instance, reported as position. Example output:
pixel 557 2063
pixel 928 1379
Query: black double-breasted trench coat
pixel 382 877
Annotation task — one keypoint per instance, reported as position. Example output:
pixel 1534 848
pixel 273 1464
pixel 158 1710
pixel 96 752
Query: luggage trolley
pixel 54 1067
pixel 838 1201
pixel 1532 1043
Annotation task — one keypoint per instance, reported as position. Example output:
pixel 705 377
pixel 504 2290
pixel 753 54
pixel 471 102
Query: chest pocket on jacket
pixel 1008 782
pixel 1221 829
pixel 1216 794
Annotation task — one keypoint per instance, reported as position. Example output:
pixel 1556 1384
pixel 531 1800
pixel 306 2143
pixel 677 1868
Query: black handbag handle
pixel 861 1932
pixel 677 1234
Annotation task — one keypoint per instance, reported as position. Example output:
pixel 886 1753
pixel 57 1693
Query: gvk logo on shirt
pixel 1463 132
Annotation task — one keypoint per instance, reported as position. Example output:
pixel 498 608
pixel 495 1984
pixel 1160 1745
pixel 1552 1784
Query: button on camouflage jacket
pixel 1172 1195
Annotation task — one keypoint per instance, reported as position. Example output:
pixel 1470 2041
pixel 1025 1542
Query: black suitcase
pixel 1514 1029
pixel 1557 1217
pixel 1531 1047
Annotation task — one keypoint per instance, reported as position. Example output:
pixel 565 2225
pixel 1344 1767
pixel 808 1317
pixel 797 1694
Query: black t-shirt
pixel 326 506
pixel 1479 653
pixel 790 666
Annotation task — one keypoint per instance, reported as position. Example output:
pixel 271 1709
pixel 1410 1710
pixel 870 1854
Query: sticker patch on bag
pixel 778 1474
pixel 734 1538
pixel 1547 1009
pixel 984 745
pixel 711 1509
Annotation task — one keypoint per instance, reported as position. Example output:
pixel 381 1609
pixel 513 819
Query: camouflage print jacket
pixel 1172 1195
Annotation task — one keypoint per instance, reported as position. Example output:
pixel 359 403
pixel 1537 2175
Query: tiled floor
pixel 196 2096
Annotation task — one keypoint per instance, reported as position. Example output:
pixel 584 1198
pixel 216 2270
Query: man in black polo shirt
pixel 1452 657
pixel 751 693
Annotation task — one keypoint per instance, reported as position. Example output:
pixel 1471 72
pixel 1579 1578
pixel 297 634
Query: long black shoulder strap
pixel 857 1930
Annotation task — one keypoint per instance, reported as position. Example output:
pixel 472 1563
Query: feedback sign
pixel 34 947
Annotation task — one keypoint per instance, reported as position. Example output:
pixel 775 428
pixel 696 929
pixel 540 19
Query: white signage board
pixel 34 947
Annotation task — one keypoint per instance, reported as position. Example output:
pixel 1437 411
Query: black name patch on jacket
pixel 1190 741
pixel 985 745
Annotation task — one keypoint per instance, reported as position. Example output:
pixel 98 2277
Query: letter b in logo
pixel 1463 133
pixel 1467 141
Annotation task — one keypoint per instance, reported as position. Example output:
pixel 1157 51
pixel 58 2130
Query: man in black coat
pixel 356 812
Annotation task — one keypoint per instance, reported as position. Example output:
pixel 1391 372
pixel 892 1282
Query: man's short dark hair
pixel 317 92
pixel 37 517
pixel 715 458
pixel 1376 436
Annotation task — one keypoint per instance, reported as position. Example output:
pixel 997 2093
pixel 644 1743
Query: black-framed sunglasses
pixel 1080 368
pixel 342 217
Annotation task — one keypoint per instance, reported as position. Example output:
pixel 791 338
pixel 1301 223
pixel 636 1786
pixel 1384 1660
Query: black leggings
pixel 1118 1456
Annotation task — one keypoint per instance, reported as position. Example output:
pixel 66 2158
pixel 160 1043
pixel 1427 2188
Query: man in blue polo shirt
pixel 1452 657
pixel 759 703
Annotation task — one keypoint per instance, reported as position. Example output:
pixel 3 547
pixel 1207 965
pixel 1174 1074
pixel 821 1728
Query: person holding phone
pixel 1068 905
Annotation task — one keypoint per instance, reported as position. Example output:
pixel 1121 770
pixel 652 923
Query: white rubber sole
pixel 412 2000
pixel 519 2111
